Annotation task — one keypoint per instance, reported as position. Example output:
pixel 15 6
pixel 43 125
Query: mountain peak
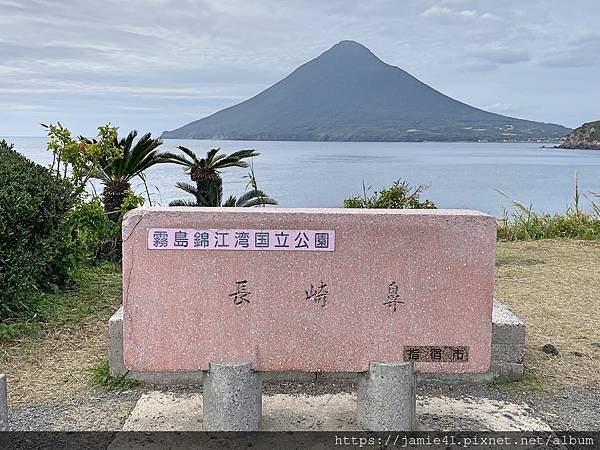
pixel 350 44
pixel 349 49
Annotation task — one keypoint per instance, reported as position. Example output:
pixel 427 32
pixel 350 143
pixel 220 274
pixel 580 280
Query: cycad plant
pixel 116 174
pixel 214 198
pixel 206 171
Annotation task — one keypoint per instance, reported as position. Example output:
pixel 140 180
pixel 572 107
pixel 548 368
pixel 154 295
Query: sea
pixel 323 174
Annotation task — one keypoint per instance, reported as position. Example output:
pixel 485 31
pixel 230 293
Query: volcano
pixel 349 94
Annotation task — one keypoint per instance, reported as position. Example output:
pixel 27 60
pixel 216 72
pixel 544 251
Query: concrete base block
pixel 507 352
pixel 117 367
pixel 3 403
pixel 167 378
pixel 232 398
pixel 386 397
pixel 288 377
pixel 508 372
pixel 499 371
pixel 507 328
pixel 508 343
pixel 337 377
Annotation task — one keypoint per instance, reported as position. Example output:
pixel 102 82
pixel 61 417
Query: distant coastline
pixel 441 141
pixel 543 141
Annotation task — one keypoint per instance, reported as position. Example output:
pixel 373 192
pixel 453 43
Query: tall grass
pixel 525 224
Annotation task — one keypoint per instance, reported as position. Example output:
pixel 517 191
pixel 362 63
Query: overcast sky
pixel 154 65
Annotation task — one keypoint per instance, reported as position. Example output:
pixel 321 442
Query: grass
pixel 524 224
pixel 100 375
pixel 530 382
pixel 46 357
pixel 553 285
pixel 534 226
pixel 91 292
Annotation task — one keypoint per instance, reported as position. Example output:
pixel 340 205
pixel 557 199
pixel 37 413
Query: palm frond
pixel 255 197
pixel 174 158
pixel 189 188
pixel 230 162
pixel 230 202
pixel 182 203
pixel 243 154
pixel 189 153
pixel 210 155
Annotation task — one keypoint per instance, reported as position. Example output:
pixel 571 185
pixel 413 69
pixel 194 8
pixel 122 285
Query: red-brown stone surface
pixel 179 314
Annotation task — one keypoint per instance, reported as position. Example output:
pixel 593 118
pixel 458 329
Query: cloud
pixel 581 51
pixel 497 55
pixel 445 13
pixel 499 107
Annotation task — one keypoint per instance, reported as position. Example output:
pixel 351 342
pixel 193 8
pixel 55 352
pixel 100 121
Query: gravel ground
pixel 571 409
pixel 574 409
pixel 101 410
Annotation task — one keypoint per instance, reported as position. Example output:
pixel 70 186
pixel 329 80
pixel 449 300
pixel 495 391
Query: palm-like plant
pixel 116 174
pixel 253 197
pixel 206 171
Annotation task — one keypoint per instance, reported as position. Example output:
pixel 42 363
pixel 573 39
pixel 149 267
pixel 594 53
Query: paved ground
pixel 286 406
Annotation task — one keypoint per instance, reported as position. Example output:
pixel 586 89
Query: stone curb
pixel 3 404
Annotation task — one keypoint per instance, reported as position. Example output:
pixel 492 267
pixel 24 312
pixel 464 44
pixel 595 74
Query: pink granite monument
pixel 307 289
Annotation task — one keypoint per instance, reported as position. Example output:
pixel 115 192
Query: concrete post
pixel 115 345
pixel 3 404
pixel 386 397
pixel 232 398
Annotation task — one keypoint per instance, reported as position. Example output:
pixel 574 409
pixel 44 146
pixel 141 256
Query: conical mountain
pixel 348 94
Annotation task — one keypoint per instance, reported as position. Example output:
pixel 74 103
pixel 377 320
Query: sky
pixel 155 65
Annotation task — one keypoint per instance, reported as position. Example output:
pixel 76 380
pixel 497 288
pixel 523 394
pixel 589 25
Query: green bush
pixel 36 246
pixel 399 196
pixel 97 235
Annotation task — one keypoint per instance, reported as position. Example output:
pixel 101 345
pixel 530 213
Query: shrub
pixel 97 235
pixel 399 196
pixel 36 246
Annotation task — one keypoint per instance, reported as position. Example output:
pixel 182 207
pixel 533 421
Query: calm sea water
pixel 322 174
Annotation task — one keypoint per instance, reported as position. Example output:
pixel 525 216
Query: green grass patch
pixel 532 226
pixel 524 224
pixel 530 382
pixel 94 289
pixel 100 376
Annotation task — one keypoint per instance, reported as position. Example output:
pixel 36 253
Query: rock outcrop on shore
pixel 586 137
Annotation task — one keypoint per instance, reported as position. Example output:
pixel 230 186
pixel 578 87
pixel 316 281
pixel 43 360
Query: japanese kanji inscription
pixel 235 239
